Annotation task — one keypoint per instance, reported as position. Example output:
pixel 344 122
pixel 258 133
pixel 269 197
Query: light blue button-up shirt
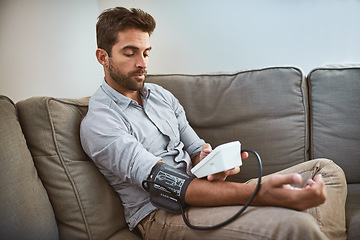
pixel 126 140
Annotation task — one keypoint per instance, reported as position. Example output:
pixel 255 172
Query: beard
pixel 125 80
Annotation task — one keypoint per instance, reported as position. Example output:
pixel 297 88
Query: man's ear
pixel 102 57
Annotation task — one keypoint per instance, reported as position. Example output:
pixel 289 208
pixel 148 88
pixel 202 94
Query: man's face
pixel 129 59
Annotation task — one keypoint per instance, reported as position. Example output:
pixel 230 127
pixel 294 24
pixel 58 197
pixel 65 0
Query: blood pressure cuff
pixel 167 186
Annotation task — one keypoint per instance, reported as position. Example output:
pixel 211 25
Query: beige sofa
pixel 51 190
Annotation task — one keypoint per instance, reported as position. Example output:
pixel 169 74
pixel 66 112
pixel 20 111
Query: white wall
pixel 47 46
pixel 196 36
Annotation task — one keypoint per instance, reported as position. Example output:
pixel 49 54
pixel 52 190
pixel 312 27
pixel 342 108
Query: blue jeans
pixel 326 221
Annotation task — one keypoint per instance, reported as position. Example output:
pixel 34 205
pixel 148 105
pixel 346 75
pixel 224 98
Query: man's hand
pixel 206 150
pixel 277 190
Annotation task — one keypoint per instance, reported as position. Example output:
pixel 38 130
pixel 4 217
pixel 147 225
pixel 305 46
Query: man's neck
pixel 134 95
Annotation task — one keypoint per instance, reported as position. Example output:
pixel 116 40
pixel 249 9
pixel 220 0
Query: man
pixel 133 128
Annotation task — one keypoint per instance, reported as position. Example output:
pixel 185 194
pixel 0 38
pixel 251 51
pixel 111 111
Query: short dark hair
pixel 113 20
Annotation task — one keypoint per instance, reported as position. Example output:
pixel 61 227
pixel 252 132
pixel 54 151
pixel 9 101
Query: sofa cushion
pixel 335 117
pixel 353 211
pixel 26 212
pixel 265 109
pixel 85 205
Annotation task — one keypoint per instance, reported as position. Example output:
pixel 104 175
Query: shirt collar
pixel 122 101
pixel 145 92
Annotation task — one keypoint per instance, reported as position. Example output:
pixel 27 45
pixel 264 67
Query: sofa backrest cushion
pixel 85 205
pixel 265 109
pixel 335 117
pixel 26 212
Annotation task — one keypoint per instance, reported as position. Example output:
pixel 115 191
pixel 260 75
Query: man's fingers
pixel 281 180
pixel 222 175
pixel 318 178
pixel 217 177
pixel 233 171
pixel 244 155
pixel 205 150
pixel 310 182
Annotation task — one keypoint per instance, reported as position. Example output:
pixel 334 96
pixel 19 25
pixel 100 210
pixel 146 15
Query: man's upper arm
pixel 106 139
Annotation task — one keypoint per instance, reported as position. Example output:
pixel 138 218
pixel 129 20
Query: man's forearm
pixel 203 193
pixel 274 191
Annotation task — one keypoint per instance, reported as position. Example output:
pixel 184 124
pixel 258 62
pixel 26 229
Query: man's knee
pixel 329 169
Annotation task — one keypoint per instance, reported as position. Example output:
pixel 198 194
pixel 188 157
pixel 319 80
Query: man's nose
pixel 142 62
